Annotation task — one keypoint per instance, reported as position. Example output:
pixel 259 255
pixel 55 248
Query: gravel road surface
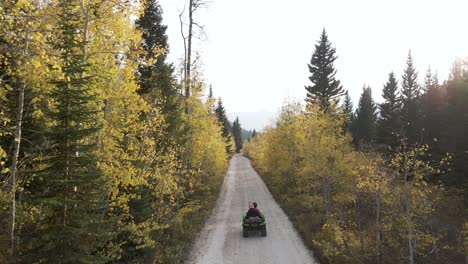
pixel 221 239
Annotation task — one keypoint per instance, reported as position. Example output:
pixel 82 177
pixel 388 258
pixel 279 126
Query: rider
pixel 252 212
pixel 256 209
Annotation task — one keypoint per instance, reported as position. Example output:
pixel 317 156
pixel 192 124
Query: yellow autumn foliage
pixel 349 206
pixel 160 187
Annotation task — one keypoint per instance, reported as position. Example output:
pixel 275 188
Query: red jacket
pixel 258 211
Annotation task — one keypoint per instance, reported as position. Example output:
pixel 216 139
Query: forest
pixel 108 152
pixel 382 183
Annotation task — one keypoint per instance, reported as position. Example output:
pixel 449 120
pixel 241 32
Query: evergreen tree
pixel 455 126
pixel 364 125
pixel 157 82
pixel 254 133
pixel 389 119
pixel 410 98
pixel 226 126
pixel 325 87
pixel 432 106
pixel 429 80
pixel 73 190
pixel 347 109
pixel 237 133
pixel 246 134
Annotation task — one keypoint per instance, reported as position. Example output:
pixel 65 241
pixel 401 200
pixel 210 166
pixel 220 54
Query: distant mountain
pixel 254 120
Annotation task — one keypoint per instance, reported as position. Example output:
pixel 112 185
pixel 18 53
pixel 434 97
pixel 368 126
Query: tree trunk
pixel 357 210
pixel 13 170
pixel 410 235
pixel 407 201
pixel 188 81
pixel 378 237
pixel 184 70
pixel 326 196
pixel 14 161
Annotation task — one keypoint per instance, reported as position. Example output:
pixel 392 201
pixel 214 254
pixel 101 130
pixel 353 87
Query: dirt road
pixel 221 240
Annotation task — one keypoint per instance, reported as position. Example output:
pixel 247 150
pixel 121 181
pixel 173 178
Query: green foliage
pixel 455 122
pixel 347 109
pixel 226 126
pixel 364 125
pixel 72 190
pixel 389 115
pixel 325 89
pixel 237 133
pixel 410 99
pixel 156 76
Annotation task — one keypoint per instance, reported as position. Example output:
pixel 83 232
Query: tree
pixel 22 64
pixel 455 116
pixel 225 125
pixel 432 104
pixel 430 80
pixel 353 206
pixel 365 123
pixel 73 190
pixel 348 111
pixel 156 75
pixel 254 133
pixel 194 6
pixel 410 98
pixel 389 118
pixel 325 87
pixel 237 133
pixel 414 200
pixel 246 134
pixel 96 178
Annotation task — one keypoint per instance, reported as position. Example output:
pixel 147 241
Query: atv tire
pixel 245 232
pixel 264 231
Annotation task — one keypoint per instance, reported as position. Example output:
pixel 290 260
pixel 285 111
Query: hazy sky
pixel 256 52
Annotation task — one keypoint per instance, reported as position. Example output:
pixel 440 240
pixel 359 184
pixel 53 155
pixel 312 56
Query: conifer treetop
pixel 325 87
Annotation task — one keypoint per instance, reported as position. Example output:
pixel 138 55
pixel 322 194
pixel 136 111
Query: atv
pixel 254 223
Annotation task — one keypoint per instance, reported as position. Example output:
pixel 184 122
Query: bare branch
pixel 202 31
pixel 198 4
pixel 185 44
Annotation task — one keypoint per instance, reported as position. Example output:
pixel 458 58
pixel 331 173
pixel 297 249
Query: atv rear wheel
pixel 245 232
pixel 264 231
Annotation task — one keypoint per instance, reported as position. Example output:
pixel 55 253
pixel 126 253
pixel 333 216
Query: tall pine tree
pixel 254 133
pixel 156 75
pixel 389 120
pixel 237 133
pixel 73 190
pixel 411 105
pixel 364 125
pixel 433 103
pixel 455 126
pixel 226 126
pixel 325 88
pixel 347 109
